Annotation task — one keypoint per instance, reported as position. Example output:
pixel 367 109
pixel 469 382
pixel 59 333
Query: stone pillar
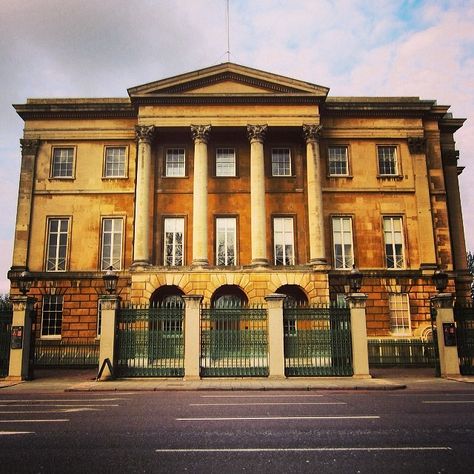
pixel 21 323
pixel 442 305
pixel 200 136
pixel 276 343
pixel 109 305
pixel 417 147
pixel 141 241
pixel 29 150
pixel 360 351
pixel 192 337
pixel 258 217
pixel 317 251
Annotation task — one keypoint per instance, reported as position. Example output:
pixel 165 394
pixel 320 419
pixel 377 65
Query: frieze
pixel 257 132
pixel 416 145
pixel 29 146
pixel 201 132
pixel 145 133
pixel 312 132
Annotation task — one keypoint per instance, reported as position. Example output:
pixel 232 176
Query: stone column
pixel 258 217
pixel 442 305
pixel 317 251
pixel 21 323
pixel 29 150
pixel 192 337
pixel 141 241
pixel 109 305
pixel 360 351
pixel 276 343
pixel 200 136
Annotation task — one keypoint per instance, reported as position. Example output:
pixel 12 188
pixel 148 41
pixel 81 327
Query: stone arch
pixel 295 295
pixel 231 295
pixel 167 294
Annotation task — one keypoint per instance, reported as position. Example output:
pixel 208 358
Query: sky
pixel 100 48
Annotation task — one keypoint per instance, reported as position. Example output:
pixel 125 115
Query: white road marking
pixel 259 396
pixel 447 401
pixel 8 433
pixel 60 405
pixel 286 450
pixel 58 420
pixel 66 400
pixel 265 418
pixel 246 404
pixel 65 410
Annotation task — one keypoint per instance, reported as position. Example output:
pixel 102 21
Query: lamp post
pixel 355 279
pixel 24 282
pixel 110 281
pixel 440 280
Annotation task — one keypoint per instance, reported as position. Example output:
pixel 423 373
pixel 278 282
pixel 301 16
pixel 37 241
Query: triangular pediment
pixel 227 79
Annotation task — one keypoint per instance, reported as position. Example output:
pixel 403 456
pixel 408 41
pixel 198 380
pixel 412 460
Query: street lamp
pixel 355 279
pixel 24 282
pixel 110 281
pixel 440 280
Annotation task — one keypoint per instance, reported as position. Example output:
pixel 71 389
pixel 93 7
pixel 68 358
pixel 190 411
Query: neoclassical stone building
pixel 235 183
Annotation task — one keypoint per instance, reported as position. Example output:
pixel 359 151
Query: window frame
pixel 293 243
pixel 395 308
pixel 183 242
pixel 52 174
pixel 341 234
pixel 55 334
pixel 102 240
pixel 393 244
pixel 235 236
pixel 347 161
pixel 397 172
pixel 290 164
pixel 48 238
pixel 216 173
pixel 125 162
pixel 165 170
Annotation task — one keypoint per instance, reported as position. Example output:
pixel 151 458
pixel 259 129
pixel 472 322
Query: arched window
pixel 295 295
pixel 228 296
pixel 167 295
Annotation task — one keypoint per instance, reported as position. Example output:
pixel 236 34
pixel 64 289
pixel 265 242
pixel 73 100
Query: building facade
pixel 234 183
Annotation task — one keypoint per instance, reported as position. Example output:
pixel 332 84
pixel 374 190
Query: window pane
pixel 57 245
pixel 393 236
pixel 173 241
pixel 226 228
pixel 338 160
pixel 283 238
pixel 174 162
pixel 342 241
pixel 399 308
pixel 387 160
pixel 225 162
pixel 62 162
pixel 281 162
pixel 115 162
pixel 112 232
pixel 52 315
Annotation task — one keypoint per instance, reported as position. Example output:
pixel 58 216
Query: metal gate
pixel 5 333
pixel 150 342
pixel 464 317
pixel 234 342
pixel 317 341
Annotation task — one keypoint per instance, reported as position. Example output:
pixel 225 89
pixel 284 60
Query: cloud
pixel 73 48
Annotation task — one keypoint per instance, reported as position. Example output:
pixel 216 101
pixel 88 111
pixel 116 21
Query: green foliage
pixel 470 262
pixel 5 302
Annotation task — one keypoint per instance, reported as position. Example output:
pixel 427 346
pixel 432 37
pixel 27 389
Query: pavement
pixel 77 380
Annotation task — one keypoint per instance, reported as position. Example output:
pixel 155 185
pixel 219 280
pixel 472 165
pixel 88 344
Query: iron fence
pixel 5 333
pixel 150 342
pixel 66 353
pixel 401 353
pixel 464 317
pixel 234 341
pixel 317 341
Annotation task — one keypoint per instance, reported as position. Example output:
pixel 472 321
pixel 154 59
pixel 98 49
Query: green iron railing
pixel 464 317
pixel 150 342
pixel 401 353
pixel 234 342
pixel 317 341
pixel 5 333
pixel 66 353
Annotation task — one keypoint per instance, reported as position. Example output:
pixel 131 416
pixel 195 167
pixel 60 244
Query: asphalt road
pixel 226 432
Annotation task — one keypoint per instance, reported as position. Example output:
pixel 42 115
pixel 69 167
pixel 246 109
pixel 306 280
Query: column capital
pixel 145 133
pixel 22 303
pixel 29 146
pixel 257 132
pixel 192 301
pixel 109 302
pixel 312 132
pixel 201 133
pixel 416 145
pixel 356 300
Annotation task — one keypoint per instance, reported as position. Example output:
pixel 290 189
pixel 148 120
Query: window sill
pixel 62 178
pixel 389 177
pixel 110 178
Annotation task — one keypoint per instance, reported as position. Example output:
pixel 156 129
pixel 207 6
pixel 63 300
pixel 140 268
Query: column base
pixel 318 261
pixel 192 378
pixel 259 262
pixel 16 378
pixel 200 262
pixel 140 264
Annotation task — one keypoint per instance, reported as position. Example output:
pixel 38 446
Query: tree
pixel 5 302
pixel 470 262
